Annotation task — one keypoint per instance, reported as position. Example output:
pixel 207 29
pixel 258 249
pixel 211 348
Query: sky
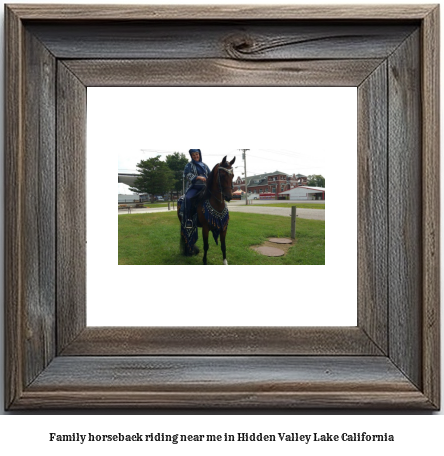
pixel 258 160
pixel 300 130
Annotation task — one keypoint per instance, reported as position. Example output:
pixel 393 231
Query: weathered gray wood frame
pixel 390 360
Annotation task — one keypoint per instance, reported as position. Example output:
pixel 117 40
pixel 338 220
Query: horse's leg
pixel 205 231
pixel 223 246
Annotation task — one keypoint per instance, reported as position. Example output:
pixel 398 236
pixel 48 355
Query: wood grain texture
pixel 13 207
pixel 220 12
pixel 236 40
pixel 430 94
pixel 209 373
pixel 246 401
pixel 39 230
pixel 234 382
pixel 405 209
pixel 209 72
pixel 71 206
pixel 127 341
pixel 372 207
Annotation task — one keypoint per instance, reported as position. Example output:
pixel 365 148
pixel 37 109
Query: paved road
pixel 314 214
pixel 290 203
pixel 146 210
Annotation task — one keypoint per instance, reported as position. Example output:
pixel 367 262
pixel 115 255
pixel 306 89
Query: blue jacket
pixel 191 171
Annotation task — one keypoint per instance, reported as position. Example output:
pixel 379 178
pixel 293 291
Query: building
pixel 305 193
pixel 275 182
pixel 127 179
pixel 134 198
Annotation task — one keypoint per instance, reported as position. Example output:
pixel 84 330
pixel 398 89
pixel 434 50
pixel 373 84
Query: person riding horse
pixel 196 173
pixel 212 211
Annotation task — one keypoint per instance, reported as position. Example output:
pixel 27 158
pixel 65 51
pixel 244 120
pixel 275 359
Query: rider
pixel 196 173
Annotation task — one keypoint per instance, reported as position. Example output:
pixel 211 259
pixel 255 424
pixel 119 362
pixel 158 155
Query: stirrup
pixel 189 224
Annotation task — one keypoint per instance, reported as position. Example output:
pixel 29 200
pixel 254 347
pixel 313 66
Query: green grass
pixel 154 239
pixel 289 204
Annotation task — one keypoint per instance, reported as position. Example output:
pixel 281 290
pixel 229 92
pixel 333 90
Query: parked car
pixel 160 198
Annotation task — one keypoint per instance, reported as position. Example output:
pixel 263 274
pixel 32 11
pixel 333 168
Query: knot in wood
pixel 238 46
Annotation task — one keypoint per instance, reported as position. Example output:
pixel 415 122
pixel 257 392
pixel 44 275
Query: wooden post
pixel 293 222
pixel 169 205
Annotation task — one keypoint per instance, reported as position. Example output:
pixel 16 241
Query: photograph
pixel 208 198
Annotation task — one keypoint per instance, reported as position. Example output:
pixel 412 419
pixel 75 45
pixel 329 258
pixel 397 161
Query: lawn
pixel 154 239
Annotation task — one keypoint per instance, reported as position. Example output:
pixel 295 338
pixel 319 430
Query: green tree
pixel 156 178
pixel 316 180
pixel 176 162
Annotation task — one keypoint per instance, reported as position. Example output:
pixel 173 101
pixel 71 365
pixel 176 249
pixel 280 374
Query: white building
pixel 134 198
pixel 305 193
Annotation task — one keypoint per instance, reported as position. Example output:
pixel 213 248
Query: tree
pixel 155 177
pixel 316 180
pixel 176 162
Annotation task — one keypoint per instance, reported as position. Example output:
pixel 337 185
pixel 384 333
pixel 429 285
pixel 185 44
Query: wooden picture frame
pixel 390 360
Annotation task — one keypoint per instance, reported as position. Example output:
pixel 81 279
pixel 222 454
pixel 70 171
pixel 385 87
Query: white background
pixel 318 121
pixel 25 434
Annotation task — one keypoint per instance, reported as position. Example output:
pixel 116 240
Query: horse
pixel 212 212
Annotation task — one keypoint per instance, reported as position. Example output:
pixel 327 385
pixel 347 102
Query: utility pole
pixel 244 156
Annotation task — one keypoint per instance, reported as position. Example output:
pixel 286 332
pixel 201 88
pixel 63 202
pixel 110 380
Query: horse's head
pixel 225 178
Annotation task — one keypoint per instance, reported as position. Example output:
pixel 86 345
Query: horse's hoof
pixel 196 250
pixel 226 262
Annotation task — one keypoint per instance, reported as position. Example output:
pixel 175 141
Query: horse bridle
pixel 228 171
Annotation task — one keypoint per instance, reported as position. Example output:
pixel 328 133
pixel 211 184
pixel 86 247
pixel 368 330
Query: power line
pixel 156 151
pixel 162 152
pixel 270 159
pixel 287 153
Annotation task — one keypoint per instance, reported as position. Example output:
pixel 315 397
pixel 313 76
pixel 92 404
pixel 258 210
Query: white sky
pixel 290 129
pixel 258 160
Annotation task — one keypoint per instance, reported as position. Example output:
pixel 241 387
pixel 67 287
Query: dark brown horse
pixel 212 212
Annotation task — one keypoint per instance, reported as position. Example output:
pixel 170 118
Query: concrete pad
pixel 280 240
pixel 270 251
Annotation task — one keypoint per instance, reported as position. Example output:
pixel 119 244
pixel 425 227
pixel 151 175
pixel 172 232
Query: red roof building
pixel 275 182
